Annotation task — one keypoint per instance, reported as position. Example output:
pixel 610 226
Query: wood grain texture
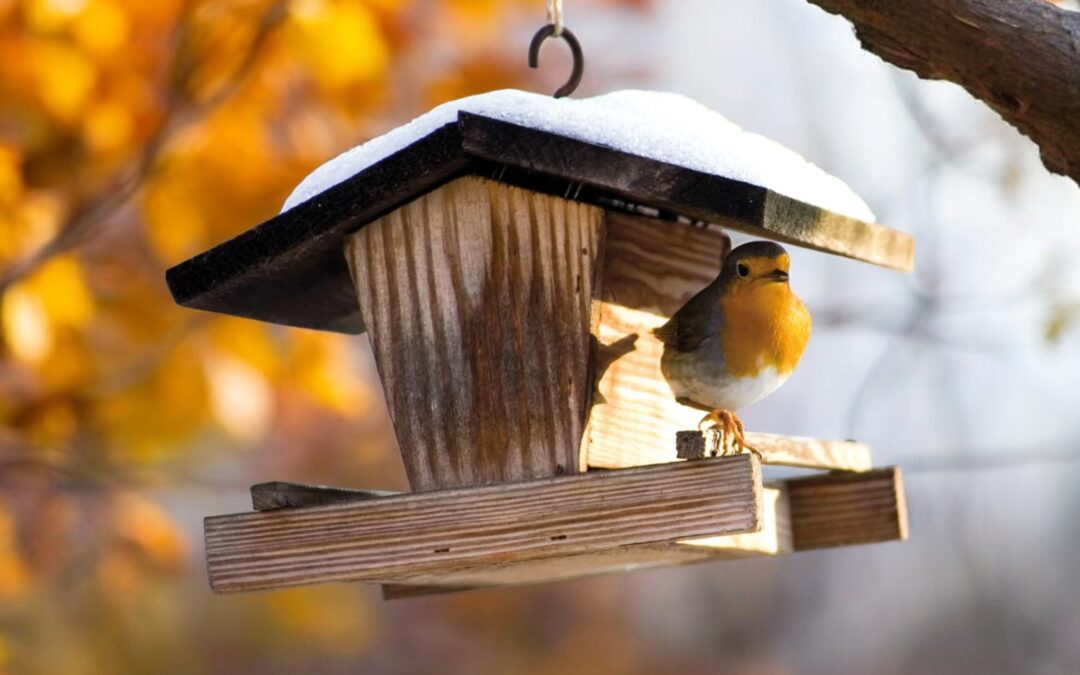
pixel 844 509
pixel 447 532
pixel 793 222
pixel 479 301
pixel 621 179
pixel 794 451
pixel 290 269
pixel 774 538
pixel 650 270
pixel 1020 58
pixel 283 495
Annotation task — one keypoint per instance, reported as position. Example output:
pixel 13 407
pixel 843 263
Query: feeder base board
pixel 471 533
pixel 821 511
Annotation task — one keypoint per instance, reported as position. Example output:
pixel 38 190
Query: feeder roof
pixel 657 153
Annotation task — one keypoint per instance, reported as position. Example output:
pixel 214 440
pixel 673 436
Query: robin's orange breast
pixel 765 325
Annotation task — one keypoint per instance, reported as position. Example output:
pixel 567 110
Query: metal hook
pixel 575 49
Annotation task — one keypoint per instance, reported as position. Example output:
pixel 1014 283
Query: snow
pixel 662 126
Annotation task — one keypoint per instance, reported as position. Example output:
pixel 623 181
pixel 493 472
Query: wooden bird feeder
pixel 508 278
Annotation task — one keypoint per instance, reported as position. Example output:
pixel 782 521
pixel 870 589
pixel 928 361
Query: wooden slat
pixel 827 511
pixel 650 270
pixel 794 451
pixel 281 494
pixel 791 221
pixel 290 269
pixel 443 532
pixel 844 509
pixel 639 180
pixel 478 297
pixel 774 538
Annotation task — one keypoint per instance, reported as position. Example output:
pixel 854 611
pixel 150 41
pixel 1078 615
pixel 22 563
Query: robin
pixel 737 340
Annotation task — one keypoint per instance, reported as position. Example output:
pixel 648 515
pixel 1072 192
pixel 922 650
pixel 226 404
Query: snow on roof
pixel 662 126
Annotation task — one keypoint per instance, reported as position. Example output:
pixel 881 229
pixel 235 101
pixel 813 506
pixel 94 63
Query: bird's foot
pixel 732 432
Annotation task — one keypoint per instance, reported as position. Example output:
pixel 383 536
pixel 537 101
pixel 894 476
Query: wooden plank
pixel 669 188
pixel 479 298
pixel 280 495
pixel 798 514
pixel 449 531
pixel 650 270
pixel 774 537
pixel 794 222
pixel 776 450
pixel 290 269
pixel 845 509
pixel 828 511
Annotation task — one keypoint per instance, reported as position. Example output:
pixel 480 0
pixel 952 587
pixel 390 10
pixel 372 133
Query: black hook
pixel 575 49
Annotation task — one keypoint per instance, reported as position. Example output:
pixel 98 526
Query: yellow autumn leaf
pixel 158 410
pixel 52 298
pixel 249 341
pixel 323 366
pixel 141 523
pixel 340 41
pixel 332 619
pixel 102 26
pixel 64 77
pixel 240 397
pixel 14 574
pixel 108 126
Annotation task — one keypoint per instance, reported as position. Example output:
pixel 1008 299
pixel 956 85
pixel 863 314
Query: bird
pixel 737 340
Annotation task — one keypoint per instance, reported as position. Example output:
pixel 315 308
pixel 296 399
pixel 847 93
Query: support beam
pixel 845 509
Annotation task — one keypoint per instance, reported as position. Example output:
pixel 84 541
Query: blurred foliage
pixel 132 136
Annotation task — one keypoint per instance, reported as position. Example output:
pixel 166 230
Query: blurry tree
pixel 132 135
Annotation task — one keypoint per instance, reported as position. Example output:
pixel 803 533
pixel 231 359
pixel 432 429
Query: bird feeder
pixel 508 255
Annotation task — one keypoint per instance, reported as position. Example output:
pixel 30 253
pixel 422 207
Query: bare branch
pixel 1020 58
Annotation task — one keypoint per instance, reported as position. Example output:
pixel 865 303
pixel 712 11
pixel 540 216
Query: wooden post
pixel 478 300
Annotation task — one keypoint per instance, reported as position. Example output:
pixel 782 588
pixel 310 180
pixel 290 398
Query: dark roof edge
pixel 380 188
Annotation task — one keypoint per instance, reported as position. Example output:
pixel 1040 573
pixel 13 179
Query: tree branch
pixel 1020 57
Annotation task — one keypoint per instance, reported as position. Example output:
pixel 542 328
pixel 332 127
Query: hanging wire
pixel 555 16
pixel 556 28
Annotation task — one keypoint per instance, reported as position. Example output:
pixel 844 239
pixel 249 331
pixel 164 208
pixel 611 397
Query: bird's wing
pixel 698 319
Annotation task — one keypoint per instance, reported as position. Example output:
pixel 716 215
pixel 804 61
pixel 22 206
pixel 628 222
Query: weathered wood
pixel 844 509
pixel 650 270
pixel 280 495
pixel 448 532
pixel 618 178
pixel 1020 58
pixel 807 453
pixel 479 298
pixel 774 538
pixel 290 269
pixel 841 509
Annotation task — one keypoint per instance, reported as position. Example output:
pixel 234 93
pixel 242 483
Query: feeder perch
pixel 508 276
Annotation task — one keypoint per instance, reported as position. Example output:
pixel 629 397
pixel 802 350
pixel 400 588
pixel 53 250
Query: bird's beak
pixel 778 275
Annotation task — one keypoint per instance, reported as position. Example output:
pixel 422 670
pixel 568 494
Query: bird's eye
pixel 743 270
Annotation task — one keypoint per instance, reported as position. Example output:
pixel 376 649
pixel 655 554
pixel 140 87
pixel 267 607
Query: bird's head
pixel 755 265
